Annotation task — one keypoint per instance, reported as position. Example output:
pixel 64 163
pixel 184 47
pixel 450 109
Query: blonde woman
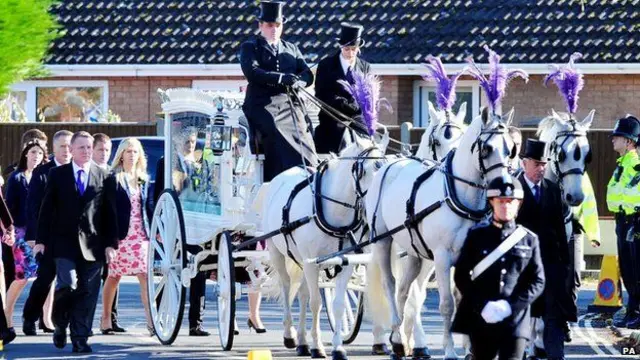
pixel 126 194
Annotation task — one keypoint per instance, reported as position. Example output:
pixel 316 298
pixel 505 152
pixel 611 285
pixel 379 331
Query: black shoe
pixel 60 337
pixel 252 326
pixel 117 328
pixel 29 327
pixel 621 323
pixel 567 333
pixel 198 331
pixel 81 346
pixel 539 353
pixel 8 336
pixel 107 332
pixel 44 328
pixel 633 323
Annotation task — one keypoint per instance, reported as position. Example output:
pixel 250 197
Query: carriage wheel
pixel 166 259
pixel 353 308
pixel 226 297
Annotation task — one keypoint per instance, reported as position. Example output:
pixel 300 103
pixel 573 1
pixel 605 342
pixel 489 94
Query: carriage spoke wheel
pixel 353 311
pixel 166 259
pixel 226 297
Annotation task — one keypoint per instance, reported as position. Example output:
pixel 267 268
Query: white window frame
pixel 31 86
pixel 418 84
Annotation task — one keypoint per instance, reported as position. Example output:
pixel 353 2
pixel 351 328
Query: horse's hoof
pixel 317 354
pixel 469 357
pixel 420 354
pixel 289 343
pixel 380 349
pixel 398 350
pixel 397 357
pixel 303 350
pixel 338 355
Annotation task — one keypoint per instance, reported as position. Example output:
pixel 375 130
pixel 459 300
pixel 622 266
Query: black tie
pixel 536 189
pixel 350 75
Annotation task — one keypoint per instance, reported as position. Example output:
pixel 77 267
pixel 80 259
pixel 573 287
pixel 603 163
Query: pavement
pixel 592 339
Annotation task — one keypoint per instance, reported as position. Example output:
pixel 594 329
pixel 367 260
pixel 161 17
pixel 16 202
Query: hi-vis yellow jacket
pixel 623 192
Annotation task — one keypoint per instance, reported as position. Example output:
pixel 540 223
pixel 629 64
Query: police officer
pixel 623 197
pixel 499 274
pixel 340 66
pixel 271 66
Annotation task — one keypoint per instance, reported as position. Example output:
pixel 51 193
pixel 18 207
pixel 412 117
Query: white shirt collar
pixel 345 64
pixel 86 168
pixel 531 184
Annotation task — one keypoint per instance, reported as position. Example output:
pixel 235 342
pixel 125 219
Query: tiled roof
pixel 397 31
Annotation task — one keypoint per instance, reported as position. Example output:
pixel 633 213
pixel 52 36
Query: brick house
pixel 116 53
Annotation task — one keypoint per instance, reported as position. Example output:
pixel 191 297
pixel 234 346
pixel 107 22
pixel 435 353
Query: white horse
pixel 343 186
pixel 443 133
pixel 570 152
pixel 483 154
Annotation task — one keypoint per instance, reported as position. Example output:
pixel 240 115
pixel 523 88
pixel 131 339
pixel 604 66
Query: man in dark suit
pixel 272 66
pixel 46 267
pixel 543 213
pixel 73 228
pixel 329 133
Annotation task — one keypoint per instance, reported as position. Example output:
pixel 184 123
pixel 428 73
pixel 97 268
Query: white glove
pixel 491 313
pixel 505 309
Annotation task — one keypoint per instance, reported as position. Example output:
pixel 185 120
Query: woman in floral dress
pixel 26 267
pixel 125 193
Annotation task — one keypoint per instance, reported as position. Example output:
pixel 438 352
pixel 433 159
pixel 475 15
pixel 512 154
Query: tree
pixel 26 30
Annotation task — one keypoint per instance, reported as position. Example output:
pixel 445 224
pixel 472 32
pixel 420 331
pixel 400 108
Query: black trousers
pixel 40 289
pixel 3 318
pixel 197 299
pixel 629 262
pixel 487 345
pixel 279 155
pixel 76 295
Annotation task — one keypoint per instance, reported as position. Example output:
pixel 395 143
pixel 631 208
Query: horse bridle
pixel 483 152
pixel 433 140
pixel 357 170
pixel 560 155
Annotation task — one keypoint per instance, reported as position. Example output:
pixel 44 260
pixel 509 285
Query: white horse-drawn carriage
pixel 319 222
pixel 208 215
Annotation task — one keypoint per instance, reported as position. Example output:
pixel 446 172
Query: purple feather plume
pixel 445 85
pixel 366 92
pixel 569 81
pixel 495 86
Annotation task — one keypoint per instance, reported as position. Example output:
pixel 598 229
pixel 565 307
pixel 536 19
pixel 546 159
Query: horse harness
pixel 451 198
pixel 561 155
pixel 433 140
pixel 341 233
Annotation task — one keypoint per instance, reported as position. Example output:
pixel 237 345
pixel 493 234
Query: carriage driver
pixel 499 274
pixel 270 65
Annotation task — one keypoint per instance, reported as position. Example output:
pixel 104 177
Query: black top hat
pixel 535 150
pixel 271 11
pixel 351 35
pixel 628 127
pixel 505 187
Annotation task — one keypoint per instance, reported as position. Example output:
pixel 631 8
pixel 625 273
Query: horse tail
pixel 376 302
pixel 272 287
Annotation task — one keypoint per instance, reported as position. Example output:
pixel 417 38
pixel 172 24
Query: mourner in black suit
pixel 271 65
pixel 498 286
pixel 46 267
pixel 543 212
pixel 73 226
pixel 329 133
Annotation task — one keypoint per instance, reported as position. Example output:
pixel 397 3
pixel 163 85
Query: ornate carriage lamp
pixel 220 134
